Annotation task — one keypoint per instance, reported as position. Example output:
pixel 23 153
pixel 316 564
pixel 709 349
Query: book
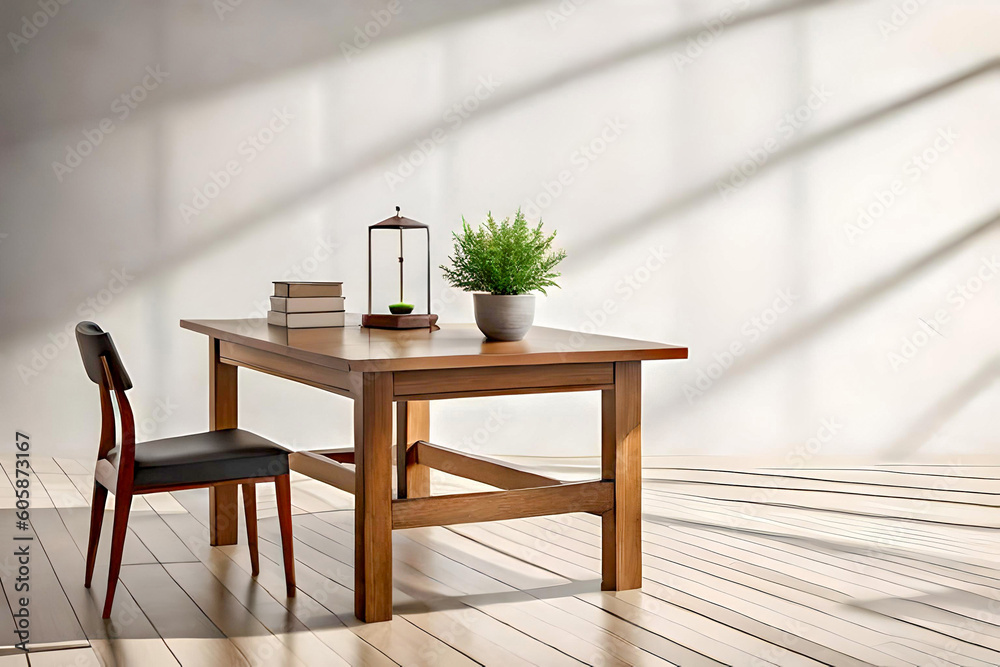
pixel 305 320
pixel 307 304
pixel 297 289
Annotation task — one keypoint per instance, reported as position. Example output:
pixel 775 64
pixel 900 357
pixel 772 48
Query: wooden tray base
pixel 387 321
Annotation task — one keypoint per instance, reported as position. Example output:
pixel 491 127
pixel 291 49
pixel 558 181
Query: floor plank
pixel 235 621
pixel 52 619
pixel 857 565
pixel 127 637
pixel 399 639
pixel 187 631
pixel 78 657
pixel 265 597
pixel 411 577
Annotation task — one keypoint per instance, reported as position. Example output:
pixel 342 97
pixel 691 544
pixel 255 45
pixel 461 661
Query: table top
pixel 356 348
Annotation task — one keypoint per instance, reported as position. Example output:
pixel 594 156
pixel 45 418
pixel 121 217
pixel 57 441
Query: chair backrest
pixel 95 343
pixel 104 367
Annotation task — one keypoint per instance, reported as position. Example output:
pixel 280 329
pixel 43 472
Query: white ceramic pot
pixel 504 316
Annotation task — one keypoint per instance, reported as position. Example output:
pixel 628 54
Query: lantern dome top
pixel 398 222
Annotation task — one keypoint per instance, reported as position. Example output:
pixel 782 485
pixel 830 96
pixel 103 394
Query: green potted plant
pixel 502 264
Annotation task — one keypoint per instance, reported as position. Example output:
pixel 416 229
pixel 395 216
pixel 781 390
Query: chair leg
pixel 250 507
pixel 284 492
pixel 96 521
pixel 123 503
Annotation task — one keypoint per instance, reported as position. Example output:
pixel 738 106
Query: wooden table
pixel 378 367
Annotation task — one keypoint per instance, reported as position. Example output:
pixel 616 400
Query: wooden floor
pixel 853 565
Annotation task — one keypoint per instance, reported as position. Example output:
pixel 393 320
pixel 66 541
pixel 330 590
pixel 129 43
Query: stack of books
pixel 299 305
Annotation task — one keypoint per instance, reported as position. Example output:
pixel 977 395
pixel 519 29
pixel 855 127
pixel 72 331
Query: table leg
pixel 621 461
pixel 223 509
pixel 412 424
pixel 373 498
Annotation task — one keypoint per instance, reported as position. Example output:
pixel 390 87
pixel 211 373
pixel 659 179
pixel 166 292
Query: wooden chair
pixel 199 460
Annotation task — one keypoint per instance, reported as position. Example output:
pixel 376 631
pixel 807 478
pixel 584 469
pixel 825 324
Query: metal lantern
pixel 399 319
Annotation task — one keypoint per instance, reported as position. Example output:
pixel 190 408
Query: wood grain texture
pixel 478 468
pixel 413 423
pixel 324 469
pixel 502 505
pixel 52 619
pixel 123 504
pixel 248 634
pixel 338 454
pixel 223 394
pixel 98 502
pixel 482 381
pixel 123 491
pixel 726 582
pixel 283 497
pixel 448 346
pixel 621 462
pixel 108 427
pixel 373 498
pixel 223 410
pixel 127 638
pixel 388 321
pixel 250 510
pixel 322 377
pixel 186 629
pixel 377 366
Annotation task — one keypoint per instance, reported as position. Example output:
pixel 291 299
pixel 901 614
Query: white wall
pixel 681 117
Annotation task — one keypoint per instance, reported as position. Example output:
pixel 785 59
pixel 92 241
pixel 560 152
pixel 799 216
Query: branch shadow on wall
pixel 224 234
pixel 937 415
pixel 802 333
pixel 619 232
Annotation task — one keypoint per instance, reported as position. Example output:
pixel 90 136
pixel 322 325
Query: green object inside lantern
pixel 401 308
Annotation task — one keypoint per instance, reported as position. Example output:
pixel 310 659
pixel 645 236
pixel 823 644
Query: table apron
pixel 421 385
pixel 501 380
pixel 328 379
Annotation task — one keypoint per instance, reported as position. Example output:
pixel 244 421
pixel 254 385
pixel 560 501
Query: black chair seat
pixel 200 458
